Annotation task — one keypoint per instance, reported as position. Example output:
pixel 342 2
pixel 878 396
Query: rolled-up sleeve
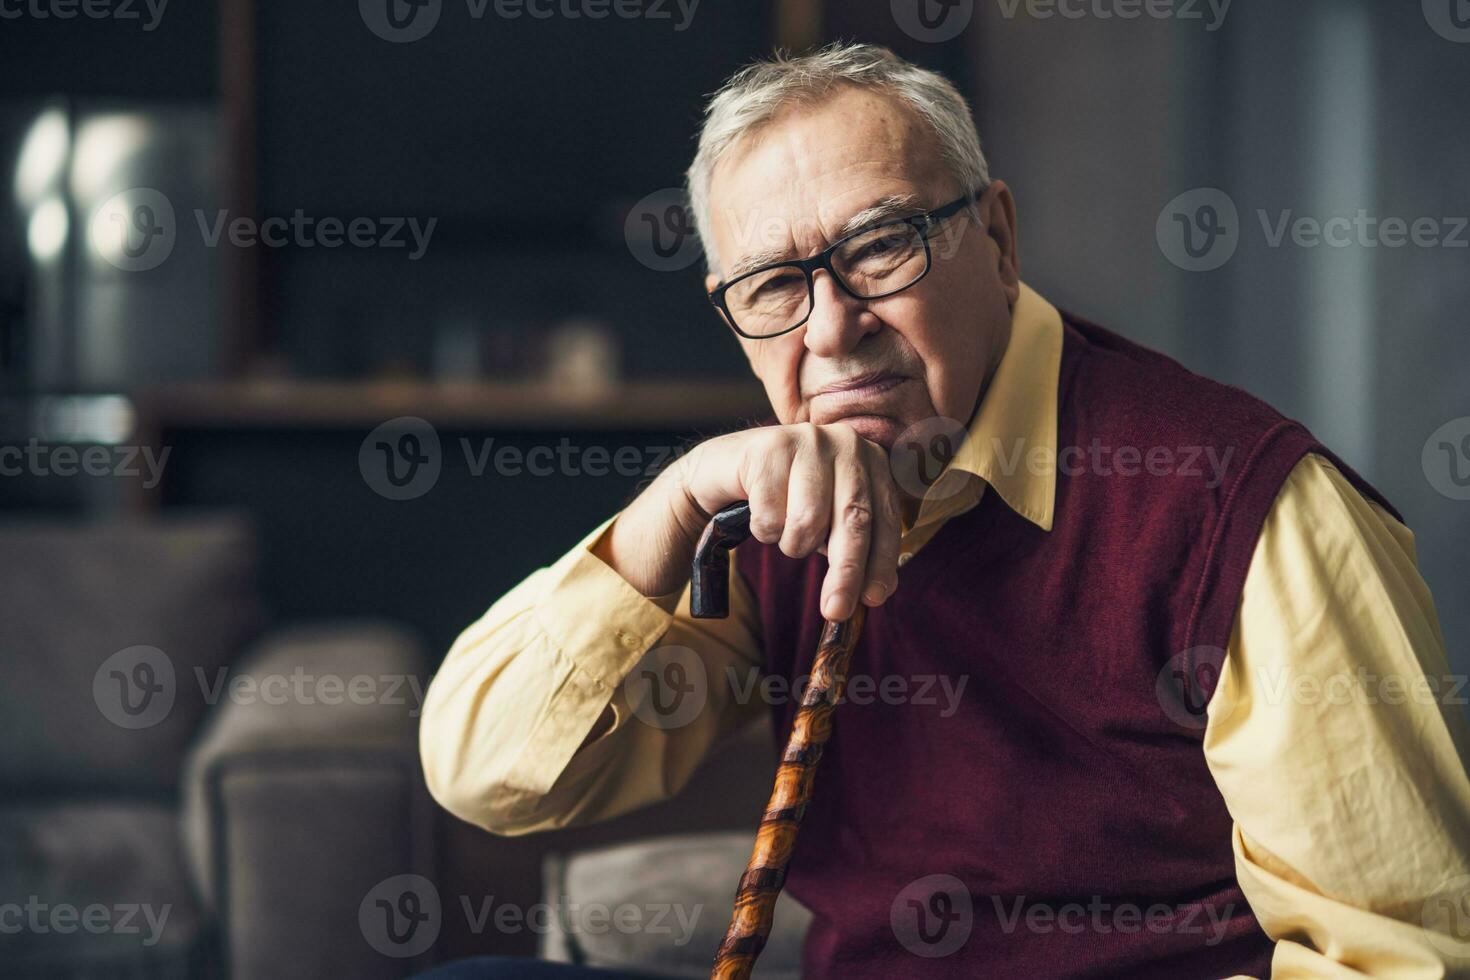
pixel 1338 739
pixel 529 724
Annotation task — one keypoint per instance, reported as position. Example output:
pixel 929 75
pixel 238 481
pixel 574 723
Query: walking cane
pixel 755 900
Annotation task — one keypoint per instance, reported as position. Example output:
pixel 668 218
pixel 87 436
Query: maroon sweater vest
pixel 1059 822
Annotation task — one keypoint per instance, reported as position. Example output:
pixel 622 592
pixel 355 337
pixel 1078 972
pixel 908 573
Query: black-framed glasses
pixel 870 263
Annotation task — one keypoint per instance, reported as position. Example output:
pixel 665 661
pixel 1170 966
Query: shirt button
pixel 628 640
pixel 903 558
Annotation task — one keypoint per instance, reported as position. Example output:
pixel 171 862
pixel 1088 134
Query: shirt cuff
pixel 596 618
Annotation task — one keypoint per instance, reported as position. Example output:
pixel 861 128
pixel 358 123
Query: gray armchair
pixel 183 795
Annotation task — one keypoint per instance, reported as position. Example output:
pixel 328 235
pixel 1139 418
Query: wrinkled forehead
pixel 791 185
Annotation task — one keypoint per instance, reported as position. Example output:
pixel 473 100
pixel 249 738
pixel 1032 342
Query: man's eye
pixel 779 285
pixel 880 246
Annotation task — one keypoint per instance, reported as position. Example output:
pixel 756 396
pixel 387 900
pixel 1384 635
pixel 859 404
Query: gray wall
pixel 1321 108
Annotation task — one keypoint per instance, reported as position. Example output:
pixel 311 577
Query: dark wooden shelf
pixel 354 404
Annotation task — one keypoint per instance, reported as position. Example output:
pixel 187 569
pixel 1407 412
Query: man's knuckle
pixel 857 515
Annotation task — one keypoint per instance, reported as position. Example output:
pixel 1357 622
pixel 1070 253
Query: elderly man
pixel 1135 569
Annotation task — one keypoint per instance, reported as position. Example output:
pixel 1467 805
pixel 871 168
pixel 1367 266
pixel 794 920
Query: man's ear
pixel 998 213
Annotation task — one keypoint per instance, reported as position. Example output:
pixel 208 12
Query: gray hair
pixel 755 94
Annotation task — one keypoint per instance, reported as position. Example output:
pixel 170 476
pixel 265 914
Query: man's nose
pixel 838 321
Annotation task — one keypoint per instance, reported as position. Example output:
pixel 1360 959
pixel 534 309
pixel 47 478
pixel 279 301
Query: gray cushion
pixel 661 907
pixel 102 891
pixel 93 614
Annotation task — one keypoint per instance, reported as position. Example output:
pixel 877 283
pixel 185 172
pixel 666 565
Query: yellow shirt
pixel 1333 735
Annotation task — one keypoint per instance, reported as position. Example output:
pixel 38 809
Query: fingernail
pixel 831 608
pixel 875 593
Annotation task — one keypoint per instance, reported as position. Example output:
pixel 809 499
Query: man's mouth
pixel 860 394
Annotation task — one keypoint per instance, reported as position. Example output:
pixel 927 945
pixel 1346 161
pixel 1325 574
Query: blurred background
pixel 321 325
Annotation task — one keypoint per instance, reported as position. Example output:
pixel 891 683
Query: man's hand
pixel 811 488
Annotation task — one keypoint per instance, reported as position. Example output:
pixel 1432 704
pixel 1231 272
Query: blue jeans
pixel 515 968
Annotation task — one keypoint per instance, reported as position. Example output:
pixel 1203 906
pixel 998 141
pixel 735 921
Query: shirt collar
pixel 1011 440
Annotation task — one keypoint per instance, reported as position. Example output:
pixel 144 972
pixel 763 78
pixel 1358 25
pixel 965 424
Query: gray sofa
pixel 182 792
pixel 181 797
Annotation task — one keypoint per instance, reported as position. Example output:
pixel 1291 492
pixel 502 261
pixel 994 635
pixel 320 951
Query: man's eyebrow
pixel 892 206
pixel 884 208
pixel 753 261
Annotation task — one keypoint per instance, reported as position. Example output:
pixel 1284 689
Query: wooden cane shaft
pixel 755 901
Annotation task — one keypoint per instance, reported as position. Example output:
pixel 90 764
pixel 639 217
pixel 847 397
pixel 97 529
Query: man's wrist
pixel 651 543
